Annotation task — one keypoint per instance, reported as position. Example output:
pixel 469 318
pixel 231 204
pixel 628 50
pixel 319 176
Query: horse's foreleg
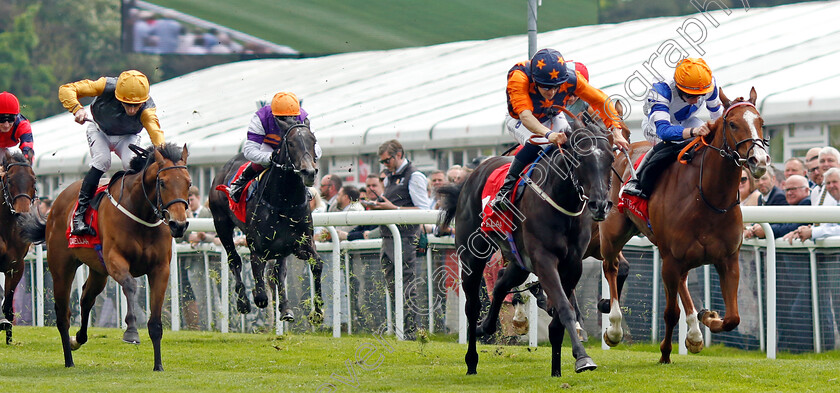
pixel 729 273
pixel 93 287
pixel 118 268
pixel 12 279
pixel 258 268
pixel 62 276
pixel 471 283
pixel 614 232
pixel 694 338
pixel 279 279
pixel 670 279
pixel 224 230
pixel 158 279
pixel 513 276
pixel 316 266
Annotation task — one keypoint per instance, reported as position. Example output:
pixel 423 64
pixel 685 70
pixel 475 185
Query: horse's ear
pixel 159 157
pixel 184 154
pixel 753 95
pixel 723 98
pixel 7 155
pixel 619 108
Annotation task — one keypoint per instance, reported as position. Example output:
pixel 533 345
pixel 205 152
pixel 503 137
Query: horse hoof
pixel 701 314
pixel 288 317
pixel 243 306
pixel 585 364
pixel 131 337
pixel 664 360
pixel 158 367
pixel 694 347
pixel 471 372
pixel 316 318
pixel 74 345
pixel 261 300
pixel 609 341
pixel 5 324
pixel 604 306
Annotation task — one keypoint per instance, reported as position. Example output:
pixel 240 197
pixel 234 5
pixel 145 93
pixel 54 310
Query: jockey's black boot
pixel 78 226
pixel 525 156
pixel 239 184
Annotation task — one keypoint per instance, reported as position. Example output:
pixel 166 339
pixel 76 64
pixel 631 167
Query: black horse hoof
pixel 288 317
pixel 604 306
pixel 158 367
pixel 243 305
pixel 5 324
pixel 261 300
pixel 585 364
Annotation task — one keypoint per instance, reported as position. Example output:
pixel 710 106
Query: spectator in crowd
pixel 747 189
pixel 405 188
pixel 44 206
pixel 812 165
pixel 167 30
pixel 330 185
pixel 436 179
pixel 831 182
pixel 317 205
pixel 455 174
pixel 796 194
pixel 795 166
pixel 347 201
pixel 141 29
pixel 829 158
pixel 373 190
pixel 770 194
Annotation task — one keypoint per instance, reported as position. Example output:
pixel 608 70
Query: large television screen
pixel 148 28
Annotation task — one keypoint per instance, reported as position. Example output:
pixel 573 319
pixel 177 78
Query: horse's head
pixel 297 152
pixel 18 182
pixel 743 134
pixel 592 150
pixel 171 181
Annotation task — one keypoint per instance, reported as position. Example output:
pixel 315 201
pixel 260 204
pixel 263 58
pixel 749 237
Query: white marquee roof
pixel 452 95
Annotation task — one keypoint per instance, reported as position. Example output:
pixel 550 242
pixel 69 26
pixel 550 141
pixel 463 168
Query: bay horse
pixel 277 222
pixel 551 238
pixel 140 213
pixel 695 219
pixel 18 182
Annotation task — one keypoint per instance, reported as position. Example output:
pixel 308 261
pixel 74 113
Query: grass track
pixel 331 26
pixel 197 361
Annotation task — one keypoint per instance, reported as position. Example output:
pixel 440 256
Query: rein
pixel 160 213
pixel 7 196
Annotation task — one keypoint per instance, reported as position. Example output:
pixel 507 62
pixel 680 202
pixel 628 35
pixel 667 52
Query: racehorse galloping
pixel 695 220
pixel 277 220
pixel 139 215
pixel 551 238
pixel 18 182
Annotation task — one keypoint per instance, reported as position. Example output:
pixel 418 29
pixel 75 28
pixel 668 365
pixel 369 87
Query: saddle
pixel 88 241
pixel 239 208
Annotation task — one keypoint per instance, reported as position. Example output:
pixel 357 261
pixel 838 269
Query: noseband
pixel 730 152
pixel 7 196
pixel 160 209
pixel 286 164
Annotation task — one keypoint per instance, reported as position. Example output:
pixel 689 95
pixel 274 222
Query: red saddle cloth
pixel 91 215
pixel 636 205
pixel 491 220
pixel 238 208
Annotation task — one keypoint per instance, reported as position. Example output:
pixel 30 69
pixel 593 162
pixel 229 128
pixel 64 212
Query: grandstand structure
pixel 446 102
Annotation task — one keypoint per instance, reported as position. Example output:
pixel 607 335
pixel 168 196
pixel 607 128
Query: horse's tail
pixel 32 229
pixel 448 202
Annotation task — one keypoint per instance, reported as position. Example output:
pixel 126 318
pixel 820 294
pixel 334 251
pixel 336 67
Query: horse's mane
pixel 14 157
pixel 169 151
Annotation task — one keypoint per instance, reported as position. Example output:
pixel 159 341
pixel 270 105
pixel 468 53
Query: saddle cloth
pixel 91 215
pixel 492 220
pixel 239 208
pixel 636 205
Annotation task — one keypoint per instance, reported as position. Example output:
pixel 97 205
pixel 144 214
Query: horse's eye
pixel 732 125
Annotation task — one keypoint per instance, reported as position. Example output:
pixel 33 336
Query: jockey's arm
pixel 151 123
pixel 27 143
pixel 69 94
pixel 254 149
pixel 603 107
pixel 713 104
pixel 533 124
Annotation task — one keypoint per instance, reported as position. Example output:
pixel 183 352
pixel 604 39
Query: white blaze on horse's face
pixel 758 158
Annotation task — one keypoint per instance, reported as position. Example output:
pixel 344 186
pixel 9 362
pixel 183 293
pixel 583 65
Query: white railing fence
pixel 760 329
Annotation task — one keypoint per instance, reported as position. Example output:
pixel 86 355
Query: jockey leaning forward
pixel 14 128
pixel 121 109
pixel 671 110
pixel 534 87
pixel 266 131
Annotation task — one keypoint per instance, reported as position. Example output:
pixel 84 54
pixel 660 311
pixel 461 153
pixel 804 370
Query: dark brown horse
pixel 695 220
pixel 141 212
pixel 551 237
pixel 18 183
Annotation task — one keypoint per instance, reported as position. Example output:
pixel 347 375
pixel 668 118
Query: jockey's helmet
pixel 582 70
pixel 548 68
pixel 285 104
pixel 9 104
pixel 693 76
pixel 132 87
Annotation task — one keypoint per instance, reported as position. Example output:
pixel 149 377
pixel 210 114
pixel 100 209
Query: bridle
pixel 731 153
pixel 286 163
pixel 7 196
pixel 160 209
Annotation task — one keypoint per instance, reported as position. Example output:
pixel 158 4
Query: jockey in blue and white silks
pixel 668 114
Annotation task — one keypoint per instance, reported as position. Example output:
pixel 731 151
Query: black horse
pixel 278 221
pixel 570 189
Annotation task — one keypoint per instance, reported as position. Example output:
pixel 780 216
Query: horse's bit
pixel 162 212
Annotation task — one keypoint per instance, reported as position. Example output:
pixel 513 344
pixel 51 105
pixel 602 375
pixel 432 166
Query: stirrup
pixel 632 188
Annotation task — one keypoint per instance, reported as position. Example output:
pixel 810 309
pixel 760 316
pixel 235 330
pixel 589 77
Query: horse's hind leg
pixel 224 230
pixel 93 287
pixel 615 232
pixel 316 265
pixel 471 275
pixel 12 279
pixel 258 268
pixel 671 277
pixel 513 276
pixel 278 277
pixel 729 273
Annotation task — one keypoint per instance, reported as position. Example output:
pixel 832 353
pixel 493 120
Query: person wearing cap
pixel 266 130
pixel 121 109
pixel 672 107
pixel 15 129
pixel 534 88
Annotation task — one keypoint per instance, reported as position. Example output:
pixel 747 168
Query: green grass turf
pixel 332 26
pixel 199 361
